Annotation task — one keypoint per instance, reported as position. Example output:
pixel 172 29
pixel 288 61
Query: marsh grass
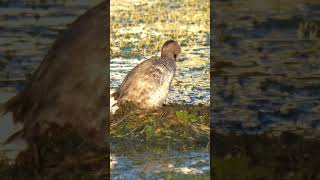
pixel 39 3
pixel 177 126
pixel 141 29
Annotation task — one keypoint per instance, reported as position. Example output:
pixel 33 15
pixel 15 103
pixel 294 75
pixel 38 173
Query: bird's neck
pixel 168 62
pixel 167 55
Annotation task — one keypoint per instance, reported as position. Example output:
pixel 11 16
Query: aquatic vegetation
pixel 142 27
pixel 310 29
pixel 174 125
pixel 166 142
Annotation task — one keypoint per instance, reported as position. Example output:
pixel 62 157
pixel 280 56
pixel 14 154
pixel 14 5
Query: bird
pixel 69 87
pixel 147 84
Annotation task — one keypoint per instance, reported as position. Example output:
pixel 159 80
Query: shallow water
pixel 160 164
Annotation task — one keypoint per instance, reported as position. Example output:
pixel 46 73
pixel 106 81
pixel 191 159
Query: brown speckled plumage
pixel 147 84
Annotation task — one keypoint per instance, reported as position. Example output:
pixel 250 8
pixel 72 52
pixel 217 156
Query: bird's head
pixel 171 49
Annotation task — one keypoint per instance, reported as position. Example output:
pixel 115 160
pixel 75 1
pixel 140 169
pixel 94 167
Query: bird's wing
pixel 138 72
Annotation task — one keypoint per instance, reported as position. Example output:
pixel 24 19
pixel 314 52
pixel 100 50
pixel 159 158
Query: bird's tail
pixel 11 105
pixel 113 105
pixel 113 102
pixel 13 137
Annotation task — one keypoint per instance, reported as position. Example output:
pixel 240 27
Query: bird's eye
pixel 175 56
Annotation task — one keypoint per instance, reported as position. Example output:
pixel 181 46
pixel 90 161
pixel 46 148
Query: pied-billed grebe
pixel 147 84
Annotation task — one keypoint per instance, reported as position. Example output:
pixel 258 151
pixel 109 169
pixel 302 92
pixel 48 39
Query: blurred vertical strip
pixel 108 51
pixel 54 55
pixel 212 30
pixel 265 89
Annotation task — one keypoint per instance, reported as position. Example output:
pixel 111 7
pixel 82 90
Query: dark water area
pixel 265 88
pixel 285 157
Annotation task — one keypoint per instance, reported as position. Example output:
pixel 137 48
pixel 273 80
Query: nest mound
pixel 180 126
